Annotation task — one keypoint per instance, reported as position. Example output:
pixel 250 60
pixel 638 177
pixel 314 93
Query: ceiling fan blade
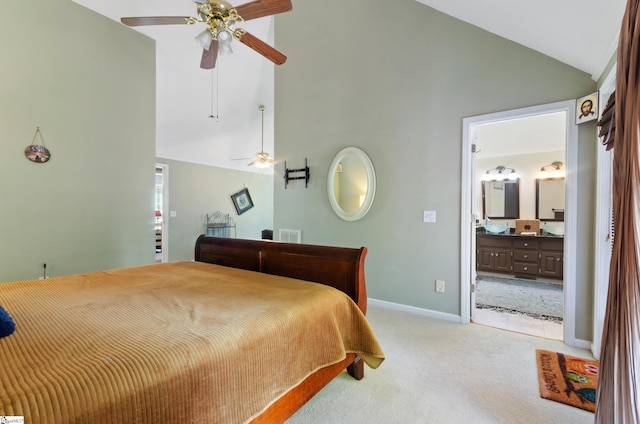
pixel 154 20
pixel 209 57
pixel 261 47
pixel 259 8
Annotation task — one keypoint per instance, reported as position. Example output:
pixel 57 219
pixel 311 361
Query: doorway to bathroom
pixel 522 158
pixel 520 294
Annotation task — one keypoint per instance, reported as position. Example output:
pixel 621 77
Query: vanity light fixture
pixel 557 171
pixel 498 173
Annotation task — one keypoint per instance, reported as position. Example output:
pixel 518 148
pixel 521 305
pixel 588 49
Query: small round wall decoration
pixel 37 153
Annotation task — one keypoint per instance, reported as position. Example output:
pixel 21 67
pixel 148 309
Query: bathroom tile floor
pixel 519 323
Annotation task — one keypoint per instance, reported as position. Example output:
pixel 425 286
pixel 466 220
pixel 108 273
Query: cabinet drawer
pixel 525 244
pixel 525 268
pixel 494 241
pixel 525 256
pixel 551 244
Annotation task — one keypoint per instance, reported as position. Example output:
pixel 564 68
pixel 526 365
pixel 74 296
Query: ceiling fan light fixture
pixel 220 17
pixel 264 160
pixel 224 42
pixel 204 39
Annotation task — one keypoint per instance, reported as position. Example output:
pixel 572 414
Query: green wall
pixel 400 92
pixel 196 190
pixel 88 83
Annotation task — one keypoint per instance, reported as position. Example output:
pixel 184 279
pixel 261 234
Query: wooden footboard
pixel 342 268
pixel 287 405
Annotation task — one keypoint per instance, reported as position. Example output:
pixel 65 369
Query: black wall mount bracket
pixel 296 174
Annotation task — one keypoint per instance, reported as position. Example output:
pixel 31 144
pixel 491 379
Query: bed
pixel 242 334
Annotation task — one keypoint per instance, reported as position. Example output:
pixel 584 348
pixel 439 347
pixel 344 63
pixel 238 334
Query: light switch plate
pixel 429 216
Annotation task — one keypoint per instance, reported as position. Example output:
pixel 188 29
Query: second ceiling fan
pixel 220 17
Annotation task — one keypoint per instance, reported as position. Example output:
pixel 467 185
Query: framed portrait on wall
pixel 242 201
pixel 587 108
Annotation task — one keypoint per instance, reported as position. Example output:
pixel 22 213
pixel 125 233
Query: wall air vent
pixel 291 236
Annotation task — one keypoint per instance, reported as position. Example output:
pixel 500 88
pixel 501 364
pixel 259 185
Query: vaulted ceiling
pixel 580 33
pixel 212 117
pixel 204 116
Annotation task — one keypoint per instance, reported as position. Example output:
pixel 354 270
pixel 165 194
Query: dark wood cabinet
pixel 493 254
pixel 521 256
pixel 551 258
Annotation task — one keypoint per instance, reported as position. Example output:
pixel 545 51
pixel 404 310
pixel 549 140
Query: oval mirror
pixel 351 184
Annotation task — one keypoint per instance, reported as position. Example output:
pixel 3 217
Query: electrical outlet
pixel 440 286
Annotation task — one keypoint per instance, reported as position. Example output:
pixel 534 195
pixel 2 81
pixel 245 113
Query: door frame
pixel 165 210
pixel 604 216
pixel 467 225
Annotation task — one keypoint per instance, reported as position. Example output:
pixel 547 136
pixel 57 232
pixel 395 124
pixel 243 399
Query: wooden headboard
pixel 339 267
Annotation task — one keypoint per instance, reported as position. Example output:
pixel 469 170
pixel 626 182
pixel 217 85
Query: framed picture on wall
pixel 587 108
pixel 242 201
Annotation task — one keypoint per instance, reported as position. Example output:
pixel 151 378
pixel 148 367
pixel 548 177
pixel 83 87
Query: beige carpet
pixel 441 372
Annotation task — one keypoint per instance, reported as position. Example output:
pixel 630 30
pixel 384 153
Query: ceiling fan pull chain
pixel 217 95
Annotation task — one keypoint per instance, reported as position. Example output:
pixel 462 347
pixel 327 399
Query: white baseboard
pixel 581 344
pixel 415 310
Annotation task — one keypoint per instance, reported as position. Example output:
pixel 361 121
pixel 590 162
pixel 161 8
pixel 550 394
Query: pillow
pixel 7 326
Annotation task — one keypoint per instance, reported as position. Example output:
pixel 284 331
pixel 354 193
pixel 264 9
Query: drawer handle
pixel 525 268
pixel 557 259
pixel 526 244
pixel 526 256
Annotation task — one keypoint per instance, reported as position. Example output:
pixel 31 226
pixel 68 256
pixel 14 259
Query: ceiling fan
pixel 262 159
pixel 220 17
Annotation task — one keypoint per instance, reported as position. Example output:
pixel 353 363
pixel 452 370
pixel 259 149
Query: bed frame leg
pixel 356 368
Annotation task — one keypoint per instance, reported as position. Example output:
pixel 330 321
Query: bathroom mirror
pixel 351 183
pixel 501 199
pixel 550 199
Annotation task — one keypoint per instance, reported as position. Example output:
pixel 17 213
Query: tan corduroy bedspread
pixel 182 342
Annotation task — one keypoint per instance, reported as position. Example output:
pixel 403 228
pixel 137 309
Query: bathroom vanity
pixel 520 256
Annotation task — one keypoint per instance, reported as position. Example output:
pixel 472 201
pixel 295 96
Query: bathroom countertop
pixel 481 231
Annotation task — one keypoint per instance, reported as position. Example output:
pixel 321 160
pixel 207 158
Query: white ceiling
pixel 581 33
pixel 534 134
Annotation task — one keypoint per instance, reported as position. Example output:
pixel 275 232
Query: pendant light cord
pixel 262 145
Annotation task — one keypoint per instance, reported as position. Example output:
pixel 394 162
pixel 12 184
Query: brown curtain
pixel 607 123
pixel 619 378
